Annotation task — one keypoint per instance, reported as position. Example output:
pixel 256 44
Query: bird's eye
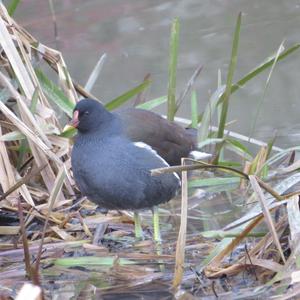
pixel 86 112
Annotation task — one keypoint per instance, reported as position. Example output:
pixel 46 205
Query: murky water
pixel 135 35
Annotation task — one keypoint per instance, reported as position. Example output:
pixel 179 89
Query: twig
pixel 189 85
pixel 22 181
pixel 24 240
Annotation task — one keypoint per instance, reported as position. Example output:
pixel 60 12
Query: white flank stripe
pixel 146 146
pixel 199 155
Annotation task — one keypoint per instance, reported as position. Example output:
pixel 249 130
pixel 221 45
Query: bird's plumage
pixel 170 140
pixel 110 169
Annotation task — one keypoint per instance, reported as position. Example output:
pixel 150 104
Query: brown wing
pixel 170 140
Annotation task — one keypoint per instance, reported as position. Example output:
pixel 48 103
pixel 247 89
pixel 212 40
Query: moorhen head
pixel 113 171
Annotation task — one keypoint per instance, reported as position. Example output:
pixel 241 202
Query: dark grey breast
pixel 110 169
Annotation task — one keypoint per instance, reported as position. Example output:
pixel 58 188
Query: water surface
pixel 135 36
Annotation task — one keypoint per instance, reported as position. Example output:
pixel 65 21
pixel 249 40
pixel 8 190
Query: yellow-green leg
pixel 157 237
pixel 156 230
pixel 137 226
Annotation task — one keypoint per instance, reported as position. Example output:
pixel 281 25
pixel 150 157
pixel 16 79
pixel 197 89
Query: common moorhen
pixel 113 171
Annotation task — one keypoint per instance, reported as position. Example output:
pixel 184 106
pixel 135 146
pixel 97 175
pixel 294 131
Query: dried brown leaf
pixel 266 213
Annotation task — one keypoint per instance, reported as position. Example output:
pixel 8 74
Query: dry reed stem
pixel 266 213
pixel 181 241
pixel 52 201
pixel 18 47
